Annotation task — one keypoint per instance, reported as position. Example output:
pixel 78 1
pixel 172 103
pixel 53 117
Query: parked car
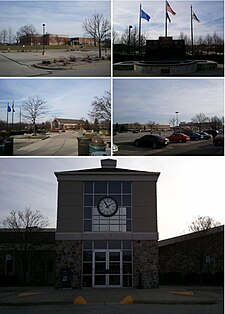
pixel 196 137
pixel 205 135
pixel 153 140
pixel 214 133
pixel 219 140
pixel 179 138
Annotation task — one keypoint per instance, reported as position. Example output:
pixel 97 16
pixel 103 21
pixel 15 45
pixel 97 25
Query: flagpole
pixel 165 20
pixel 139 40
pixel 12 113
pixel 7 118
pixel 192 37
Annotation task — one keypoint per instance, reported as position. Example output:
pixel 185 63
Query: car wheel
pixel 180 141
pixel 136 143
pixel 154 145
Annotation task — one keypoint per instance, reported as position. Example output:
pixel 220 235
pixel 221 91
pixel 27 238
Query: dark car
pixel 206 136
pixel 219 140
pixel 153 140
pixel 196 137
pixel 214 133
pixel 179 138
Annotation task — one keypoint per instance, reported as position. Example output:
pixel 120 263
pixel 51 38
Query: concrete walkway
pixel 163 295
pixel 21 64
pixel 64 144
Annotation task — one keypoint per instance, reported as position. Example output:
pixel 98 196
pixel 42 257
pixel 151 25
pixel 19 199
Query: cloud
pixel 60 17
pixel 158 99
pixel 65 98
pixel 210 14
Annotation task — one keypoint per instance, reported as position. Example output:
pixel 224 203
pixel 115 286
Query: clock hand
pixel 106 204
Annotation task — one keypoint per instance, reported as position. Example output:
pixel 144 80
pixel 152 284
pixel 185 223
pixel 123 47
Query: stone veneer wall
pixel 69 255
pixel 145 264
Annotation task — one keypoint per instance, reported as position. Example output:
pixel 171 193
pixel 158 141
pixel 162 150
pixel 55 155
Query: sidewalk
pixel 163 295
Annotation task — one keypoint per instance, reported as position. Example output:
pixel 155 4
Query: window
pixel 119 191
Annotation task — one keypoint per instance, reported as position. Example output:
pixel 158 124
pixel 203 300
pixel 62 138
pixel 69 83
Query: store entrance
pixel 107 269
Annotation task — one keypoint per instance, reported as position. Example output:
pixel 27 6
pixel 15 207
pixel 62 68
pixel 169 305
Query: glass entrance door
pixel 107 268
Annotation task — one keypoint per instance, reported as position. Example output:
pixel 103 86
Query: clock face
pixel 107 206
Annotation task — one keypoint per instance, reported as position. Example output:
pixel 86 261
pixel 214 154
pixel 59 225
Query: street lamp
pixel 43 51
pixel 130 26
pixel 177 112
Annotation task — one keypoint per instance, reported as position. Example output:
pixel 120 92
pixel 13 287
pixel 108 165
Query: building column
pixel 69 256
pixel 145 264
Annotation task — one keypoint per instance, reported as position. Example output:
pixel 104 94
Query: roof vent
pixel 108 163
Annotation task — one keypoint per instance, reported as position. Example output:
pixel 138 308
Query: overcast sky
pixel 60 17
pixel 65 98
pixel 186 188
pixel 210 14
pixel 143 100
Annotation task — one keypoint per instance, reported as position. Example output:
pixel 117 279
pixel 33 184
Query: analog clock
pixel 107 206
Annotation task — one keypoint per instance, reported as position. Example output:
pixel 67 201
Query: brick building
pixel 27 256
pixel 193 258
pixel 82 41
pixel 67 124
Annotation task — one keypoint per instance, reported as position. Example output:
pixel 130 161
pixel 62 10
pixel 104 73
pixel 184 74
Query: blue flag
pixel 145 16
pixel 9 109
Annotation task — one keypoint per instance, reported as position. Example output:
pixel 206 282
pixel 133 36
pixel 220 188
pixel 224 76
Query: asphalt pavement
pixel 10 296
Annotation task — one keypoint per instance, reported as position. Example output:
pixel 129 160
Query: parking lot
pixel 124 141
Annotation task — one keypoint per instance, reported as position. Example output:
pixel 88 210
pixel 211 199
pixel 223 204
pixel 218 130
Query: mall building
pixel 106 233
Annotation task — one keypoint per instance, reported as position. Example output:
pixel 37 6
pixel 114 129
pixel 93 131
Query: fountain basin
pixel 166 67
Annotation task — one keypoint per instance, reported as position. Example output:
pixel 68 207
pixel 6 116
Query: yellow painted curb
pixel 26 294
pixel 79 300
pixel 127 300
pixel 183 292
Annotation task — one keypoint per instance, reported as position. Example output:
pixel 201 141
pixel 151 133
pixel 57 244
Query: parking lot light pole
pixel 177 118
pixel 43 50
pixel 130 26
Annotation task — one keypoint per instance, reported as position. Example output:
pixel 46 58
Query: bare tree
pixel 199 120
pixel 203 223
pixel 98 27
pixel 10 36
pixel 29 31
pixel 34 107
pixel 3 35
pixel 115 37
pixel 22 226
pixel 26 219
pixel 173 122
pixel 151 125
pixel 101 109
pixel 200 252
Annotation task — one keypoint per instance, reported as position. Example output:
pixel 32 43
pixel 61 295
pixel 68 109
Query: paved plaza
pixel 23 64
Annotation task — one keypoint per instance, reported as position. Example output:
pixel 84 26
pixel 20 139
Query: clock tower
pixel 107 227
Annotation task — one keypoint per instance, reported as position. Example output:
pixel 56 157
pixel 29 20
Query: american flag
pixel 169 9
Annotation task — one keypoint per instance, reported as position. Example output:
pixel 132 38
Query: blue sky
pixel 210 14
pixel 65 98
pixel 60 17
pixel 143 100
pixel 31 182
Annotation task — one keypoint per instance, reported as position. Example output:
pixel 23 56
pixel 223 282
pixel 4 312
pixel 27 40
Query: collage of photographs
pixel 111 150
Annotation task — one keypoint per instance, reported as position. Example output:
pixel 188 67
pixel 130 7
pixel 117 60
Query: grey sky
pixel 65 98
pixel 143 100
pixel 187 187
pixel 60 17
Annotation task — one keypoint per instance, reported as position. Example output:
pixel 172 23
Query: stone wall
pixel 69 256
pixel 145 264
